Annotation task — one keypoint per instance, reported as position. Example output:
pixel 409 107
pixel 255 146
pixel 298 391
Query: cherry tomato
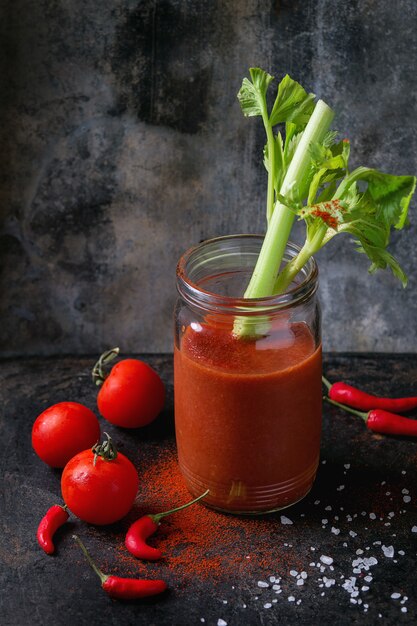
pixel 62 430
pixel 132 395
pixel 97 489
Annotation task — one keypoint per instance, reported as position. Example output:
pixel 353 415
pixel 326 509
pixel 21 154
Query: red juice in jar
pixel 248 408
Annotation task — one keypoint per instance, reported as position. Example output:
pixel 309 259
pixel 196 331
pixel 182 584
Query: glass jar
pixel 247 380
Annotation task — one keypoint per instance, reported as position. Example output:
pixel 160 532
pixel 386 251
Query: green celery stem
pixel 292 268
pixel 276 238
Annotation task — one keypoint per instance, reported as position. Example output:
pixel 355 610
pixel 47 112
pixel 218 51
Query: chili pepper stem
pixel 158 516
pixel 326 382
pixel 364 416
pixel 98 373
pixel 103 577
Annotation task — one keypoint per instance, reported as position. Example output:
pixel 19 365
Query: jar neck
pixel 213 276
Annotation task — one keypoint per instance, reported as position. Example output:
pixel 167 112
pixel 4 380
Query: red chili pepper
pixel 346 394
pixel 146 526
pixel 124 588
pixel 54 518
pixel 380 421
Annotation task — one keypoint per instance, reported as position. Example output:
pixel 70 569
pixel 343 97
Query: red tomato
pixel 132 395
pixel 63 430
pixel 102 493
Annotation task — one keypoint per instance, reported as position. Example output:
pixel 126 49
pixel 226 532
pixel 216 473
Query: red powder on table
pixel 200 542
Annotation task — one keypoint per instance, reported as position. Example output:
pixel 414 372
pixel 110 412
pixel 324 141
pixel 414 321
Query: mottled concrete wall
pixel 123 144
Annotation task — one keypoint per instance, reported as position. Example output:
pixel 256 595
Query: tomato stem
pixel 98 373
pixel 103 577
pixel 107 450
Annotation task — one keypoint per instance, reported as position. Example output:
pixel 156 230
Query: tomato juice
pixel 247 379
pixel 248 415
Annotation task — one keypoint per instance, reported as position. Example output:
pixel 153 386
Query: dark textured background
pixel 123 144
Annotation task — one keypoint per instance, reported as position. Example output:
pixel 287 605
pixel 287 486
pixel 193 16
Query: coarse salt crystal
pixel 293 572
pixel 328 508
pixel 291 599
pixel 347 466
pixel 404 609
pixel 303 575
pixel 262 583
pixel 316 502
pixel 388 551
pixel 275 587
pixel 324 521
pixel 224 601
pixel 221 622
pixel 285 520
pixel 395 596
pixel 272 579
pixel 327 560
pixel 335 531
pixel 407 499
pixel 363 564
pixel 340 488
pixel 401 552
pixel 300 582
pixel 352 533
pixel 405 490
pixel 267 605
pixel 372 516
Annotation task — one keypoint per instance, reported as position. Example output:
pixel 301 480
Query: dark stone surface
pixel 61 590
pixel 123 145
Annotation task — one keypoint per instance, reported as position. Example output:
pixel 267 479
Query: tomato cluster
pixel 99 484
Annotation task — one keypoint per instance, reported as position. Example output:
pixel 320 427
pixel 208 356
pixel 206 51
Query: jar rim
pixel 195 294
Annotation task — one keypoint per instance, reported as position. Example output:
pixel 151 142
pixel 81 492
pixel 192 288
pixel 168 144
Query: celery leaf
pixel 292 104
pixel 252 95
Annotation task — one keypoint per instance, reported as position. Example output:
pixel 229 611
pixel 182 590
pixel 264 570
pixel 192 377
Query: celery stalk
pixel 312 168
pixel 276 238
